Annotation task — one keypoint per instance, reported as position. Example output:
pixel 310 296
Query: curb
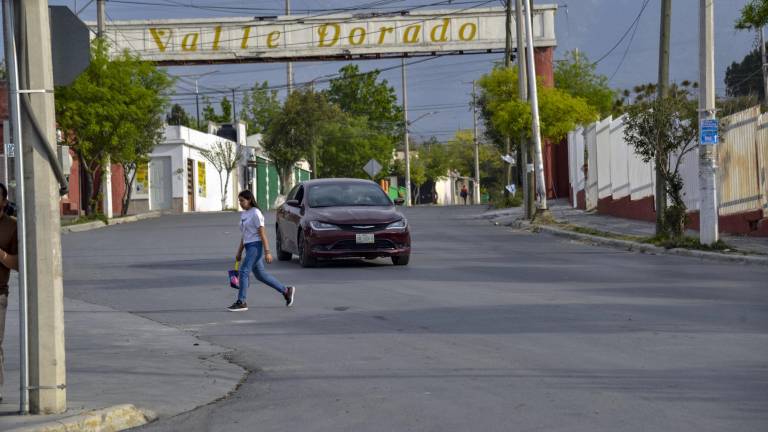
pixel 115 221
pixel 640 247
pixel 112 419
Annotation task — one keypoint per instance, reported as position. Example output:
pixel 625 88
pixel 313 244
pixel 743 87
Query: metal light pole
pixel 522 83
pixel 708 229
pixel 534 98
pixel 405 138
pixel 15 106
pixel 476 188
pixel 289 69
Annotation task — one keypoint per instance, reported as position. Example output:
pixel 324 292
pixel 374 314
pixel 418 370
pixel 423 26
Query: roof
pixel 336 181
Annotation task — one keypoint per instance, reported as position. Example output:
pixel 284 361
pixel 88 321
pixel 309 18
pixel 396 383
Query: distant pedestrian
pixel 464 193
pixel 9 260
pixel 254 242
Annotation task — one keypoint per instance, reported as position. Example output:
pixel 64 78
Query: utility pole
pixel 14 103
pixel 476 188
pixel 534 98
pixel 106 185
pixel 41 259
pixel 234 109
pixel 708 229
pixel 764 63
pixel 197 102
pixel 289 70
pixel 522 85
pixel 508 64
pixel 405 138
pixel 663 91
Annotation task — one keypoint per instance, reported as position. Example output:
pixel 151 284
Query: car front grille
pixel 352 245
pixel 363 227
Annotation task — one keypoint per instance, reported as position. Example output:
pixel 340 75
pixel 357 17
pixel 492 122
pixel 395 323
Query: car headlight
pixel 322 226
pixel 401 224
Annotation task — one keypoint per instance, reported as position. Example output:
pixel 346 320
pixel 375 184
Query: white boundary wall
pixel 614 170
pixel 576 163
pixel 590 142
pixel 619 160
pixel 604 187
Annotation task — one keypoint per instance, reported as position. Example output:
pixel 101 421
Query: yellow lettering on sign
pixel 472 31
pixel 246 35
pixel 158 36
pixel 216 38
pixel 273 38
pixel 443 29
pixel 189 43
pixel 357 36
pixel 412 33
pixel 322 31
pixel 383 33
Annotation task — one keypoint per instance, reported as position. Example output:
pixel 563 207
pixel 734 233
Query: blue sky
pixel 444 84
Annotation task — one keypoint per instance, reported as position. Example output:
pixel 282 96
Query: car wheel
pixel 401 260
pixel 281 254
pixel 305 256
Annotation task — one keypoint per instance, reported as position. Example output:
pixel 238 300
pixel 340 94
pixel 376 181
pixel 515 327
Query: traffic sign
pixel 70 45
pixel 708 132
pixel 372 168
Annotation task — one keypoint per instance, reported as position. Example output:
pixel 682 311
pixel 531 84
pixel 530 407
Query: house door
pixel 160 183
pixel 190 185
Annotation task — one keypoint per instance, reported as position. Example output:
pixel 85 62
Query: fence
pixel 605 168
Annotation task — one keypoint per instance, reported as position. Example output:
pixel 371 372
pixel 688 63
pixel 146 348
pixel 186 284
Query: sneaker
pixel 290 292
pixel 238 306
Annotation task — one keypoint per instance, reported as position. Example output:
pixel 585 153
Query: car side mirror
pixel 399 201
pixel 293 203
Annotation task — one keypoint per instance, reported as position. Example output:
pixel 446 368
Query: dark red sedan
pixel 341 218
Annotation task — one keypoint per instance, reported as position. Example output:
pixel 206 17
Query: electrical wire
pixel 626 51
pixel 626 33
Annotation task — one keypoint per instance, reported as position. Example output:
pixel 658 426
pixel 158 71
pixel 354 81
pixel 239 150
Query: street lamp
pixel 197 91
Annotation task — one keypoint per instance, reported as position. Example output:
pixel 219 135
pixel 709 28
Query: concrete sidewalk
pixel 564 212
pixel 116 358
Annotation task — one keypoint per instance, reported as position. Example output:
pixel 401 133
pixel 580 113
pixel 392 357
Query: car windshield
pixel 350 194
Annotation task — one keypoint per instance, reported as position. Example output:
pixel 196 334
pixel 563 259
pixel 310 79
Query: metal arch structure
pixel 330 37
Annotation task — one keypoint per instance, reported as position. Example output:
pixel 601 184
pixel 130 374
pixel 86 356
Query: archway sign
pixel 323 37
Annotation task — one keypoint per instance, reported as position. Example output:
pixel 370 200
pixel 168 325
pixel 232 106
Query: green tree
pixel 292 134
pixel 347 143
pixel 210 114
pixel 418 177
pixel 260 107
pixel 754 15
pixel 664 131
pixel 113 109
pixel 461 152
pixel 559 112
pixel 363 94
pixel 578 76
pixel 745 78
pixel 178 117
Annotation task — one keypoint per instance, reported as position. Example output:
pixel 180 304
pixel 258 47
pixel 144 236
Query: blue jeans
pixel 254 261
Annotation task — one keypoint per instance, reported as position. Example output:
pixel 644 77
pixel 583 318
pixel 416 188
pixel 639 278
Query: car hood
pixel 355 215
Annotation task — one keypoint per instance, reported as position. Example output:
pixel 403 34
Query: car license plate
pixel 363 238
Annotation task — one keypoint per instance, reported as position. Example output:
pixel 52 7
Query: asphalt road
pixel 487 329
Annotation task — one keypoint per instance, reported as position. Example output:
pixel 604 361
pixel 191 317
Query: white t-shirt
pixel 250 222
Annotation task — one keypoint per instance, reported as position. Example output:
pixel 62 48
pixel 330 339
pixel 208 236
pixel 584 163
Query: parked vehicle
pixel 341 218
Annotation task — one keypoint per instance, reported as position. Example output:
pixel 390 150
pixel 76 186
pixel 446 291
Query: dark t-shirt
pixel 9 243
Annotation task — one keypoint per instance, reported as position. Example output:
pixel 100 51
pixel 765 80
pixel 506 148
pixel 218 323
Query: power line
pixel 626 51
pixel 626 33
